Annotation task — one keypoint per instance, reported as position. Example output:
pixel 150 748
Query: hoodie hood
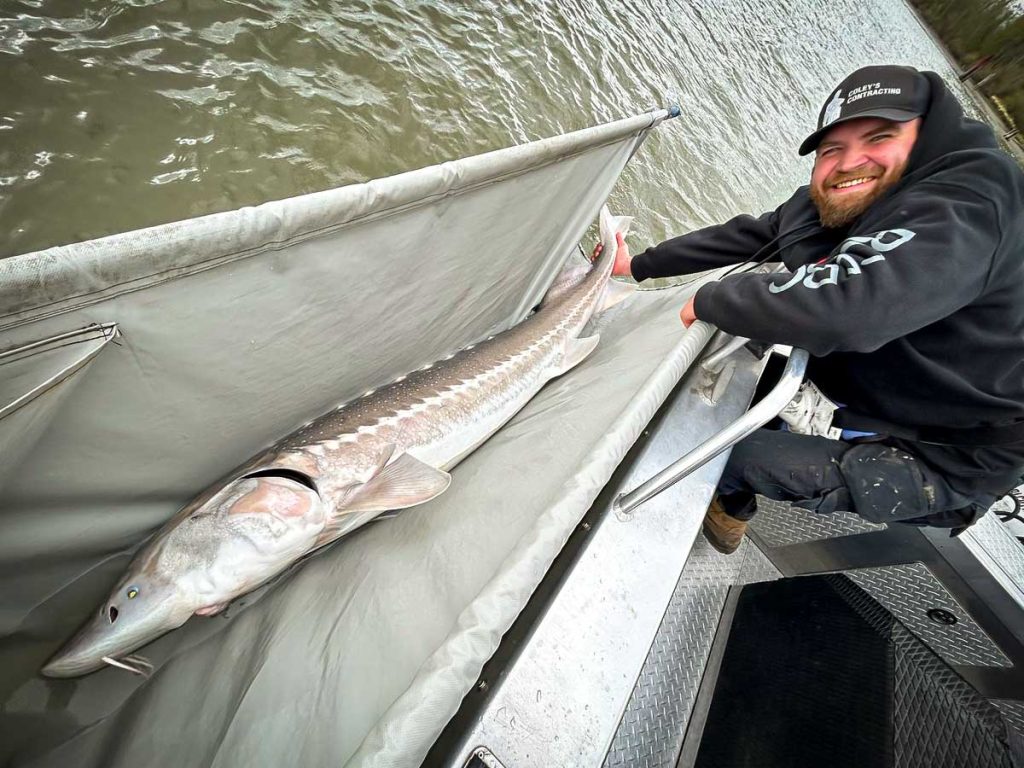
pixel 945 129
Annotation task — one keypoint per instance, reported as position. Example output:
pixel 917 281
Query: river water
pixel 123 114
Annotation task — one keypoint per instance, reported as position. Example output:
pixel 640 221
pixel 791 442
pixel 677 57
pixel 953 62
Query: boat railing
pixel 757 416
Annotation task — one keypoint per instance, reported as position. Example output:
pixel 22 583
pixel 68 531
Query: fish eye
pixel 132 592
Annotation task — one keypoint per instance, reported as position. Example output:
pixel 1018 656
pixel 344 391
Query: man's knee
pixel 880 483
pixel 887 484
pixel 827 502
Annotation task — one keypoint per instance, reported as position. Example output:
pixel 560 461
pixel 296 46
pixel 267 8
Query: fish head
pixel 222 545
pixel 141 607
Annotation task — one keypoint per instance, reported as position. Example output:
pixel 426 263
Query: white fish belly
pixel 454 446
pixel 480 407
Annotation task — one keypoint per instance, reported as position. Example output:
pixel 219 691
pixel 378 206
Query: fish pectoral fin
pixel 386 452
pixel 614 292
pixel 405 482
pixel 576 351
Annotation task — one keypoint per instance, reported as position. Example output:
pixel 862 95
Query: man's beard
pixel 841 210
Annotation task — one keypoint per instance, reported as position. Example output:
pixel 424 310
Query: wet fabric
pixel 231 331
pixel 362 653
pixel 881 483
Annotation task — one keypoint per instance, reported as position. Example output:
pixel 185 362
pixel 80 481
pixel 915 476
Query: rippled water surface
pixel 122 114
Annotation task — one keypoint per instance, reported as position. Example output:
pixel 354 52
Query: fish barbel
pixel 387 450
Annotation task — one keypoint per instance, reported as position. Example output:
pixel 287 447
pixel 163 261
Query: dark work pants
pixel 880 483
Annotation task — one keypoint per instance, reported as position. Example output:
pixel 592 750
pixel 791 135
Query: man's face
pixel 856 162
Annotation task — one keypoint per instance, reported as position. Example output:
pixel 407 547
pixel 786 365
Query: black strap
pixel 984 436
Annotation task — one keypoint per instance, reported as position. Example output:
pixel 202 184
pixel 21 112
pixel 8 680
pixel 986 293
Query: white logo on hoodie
pixel 817 275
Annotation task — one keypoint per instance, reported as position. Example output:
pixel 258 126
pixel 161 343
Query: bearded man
pixel 905 282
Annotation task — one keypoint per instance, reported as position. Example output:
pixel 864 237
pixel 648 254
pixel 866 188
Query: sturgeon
pixel 388 450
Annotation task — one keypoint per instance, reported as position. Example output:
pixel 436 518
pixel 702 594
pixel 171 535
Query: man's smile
pixel 854 184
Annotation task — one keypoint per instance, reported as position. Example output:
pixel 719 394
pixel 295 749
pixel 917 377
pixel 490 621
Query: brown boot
pixel 724 533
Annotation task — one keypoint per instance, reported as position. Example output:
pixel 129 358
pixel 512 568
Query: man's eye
pixel 881 137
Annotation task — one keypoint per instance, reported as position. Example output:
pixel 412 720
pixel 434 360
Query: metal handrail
pixel 759 415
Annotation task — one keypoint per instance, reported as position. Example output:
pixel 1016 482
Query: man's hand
pixel 622 257
pixel 687 314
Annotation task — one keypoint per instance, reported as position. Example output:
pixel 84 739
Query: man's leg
pixel 881 483
pixel 784 466
pixel 780 465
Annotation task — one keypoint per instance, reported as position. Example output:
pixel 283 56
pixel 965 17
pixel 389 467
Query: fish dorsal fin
pixel 405 482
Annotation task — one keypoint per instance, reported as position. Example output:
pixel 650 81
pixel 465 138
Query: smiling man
pixel 856 164
pixel 905 282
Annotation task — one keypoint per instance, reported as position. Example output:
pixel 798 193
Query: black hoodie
pixel 914 314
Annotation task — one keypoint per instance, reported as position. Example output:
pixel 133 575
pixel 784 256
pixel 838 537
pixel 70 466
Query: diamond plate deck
pixel 651 731
pixel 779 524
pixel 756 566
pixel 1013 713
pixel 939 720
pixel 1002 548
pixel 909 592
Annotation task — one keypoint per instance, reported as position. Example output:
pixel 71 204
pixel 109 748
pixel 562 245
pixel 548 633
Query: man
pixel 905 282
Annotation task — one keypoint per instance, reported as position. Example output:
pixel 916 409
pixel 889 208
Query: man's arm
pixel 719 246
pixel 926 260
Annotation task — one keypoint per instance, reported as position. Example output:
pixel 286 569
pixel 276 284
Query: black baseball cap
pixel 894 93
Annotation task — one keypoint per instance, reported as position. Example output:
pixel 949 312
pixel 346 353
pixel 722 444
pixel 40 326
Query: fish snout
pixel 85 651
pixel 123 623
pixel 68 664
